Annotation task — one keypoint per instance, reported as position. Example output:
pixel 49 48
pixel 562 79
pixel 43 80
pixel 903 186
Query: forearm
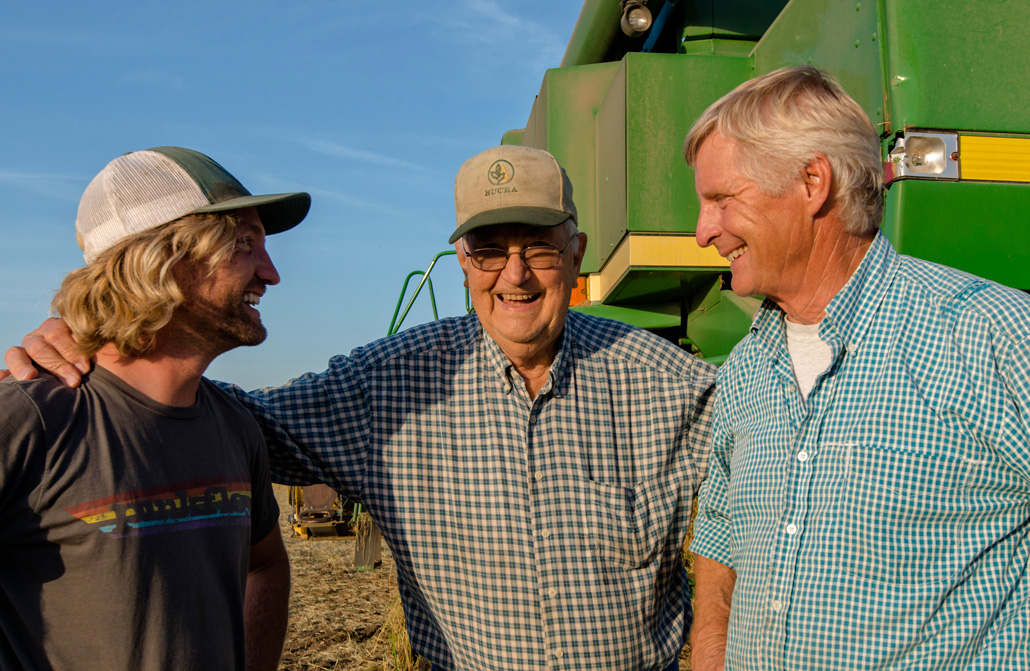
pixel 265 610
pixel 713 594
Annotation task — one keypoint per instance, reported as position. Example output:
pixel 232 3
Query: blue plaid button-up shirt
pixel 528 533
pixel 885 522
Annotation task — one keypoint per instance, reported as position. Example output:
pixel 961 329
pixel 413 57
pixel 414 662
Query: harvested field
pixel 337 613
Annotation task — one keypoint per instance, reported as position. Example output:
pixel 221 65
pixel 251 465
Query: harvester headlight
pixel 636 18
pixel 925 155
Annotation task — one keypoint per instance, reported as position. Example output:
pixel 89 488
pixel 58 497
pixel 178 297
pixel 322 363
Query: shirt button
pixel 559 653
pixel 553 592
pixel 792 529
pixel 545 534
pixel 539 476
pixel 802 455
pixel 532 420
pixel 777 605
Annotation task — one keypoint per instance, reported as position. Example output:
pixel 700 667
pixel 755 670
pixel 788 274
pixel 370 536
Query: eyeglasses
pixel 538 256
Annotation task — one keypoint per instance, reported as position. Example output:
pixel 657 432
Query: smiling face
pixel 523 309
pixel 219 311
pixel 767 239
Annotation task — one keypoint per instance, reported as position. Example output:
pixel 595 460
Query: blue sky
pixel 370 107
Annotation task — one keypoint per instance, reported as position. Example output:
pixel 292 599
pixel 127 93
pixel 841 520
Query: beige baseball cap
pixel 511 185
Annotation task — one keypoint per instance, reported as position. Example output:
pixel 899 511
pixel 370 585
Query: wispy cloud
pixel 351 201
pixel 333 149
pixel 517 38
pixel 52 185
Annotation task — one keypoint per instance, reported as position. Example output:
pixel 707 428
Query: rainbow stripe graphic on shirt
pixel 175 507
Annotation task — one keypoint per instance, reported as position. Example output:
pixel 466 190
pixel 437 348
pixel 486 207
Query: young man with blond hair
pixel 136 511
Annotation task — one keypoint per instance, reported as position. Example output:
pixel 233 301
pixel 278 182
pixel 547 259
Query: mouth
pixel 518 299
pixel 736 253
pixel 252 299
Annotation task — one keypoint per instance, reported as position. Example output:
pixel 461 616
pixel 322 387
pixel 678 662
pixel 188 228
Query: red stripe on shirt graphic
pixel 174 507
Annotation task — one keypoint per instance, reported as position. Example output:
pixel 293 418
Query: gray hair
pixel 781 121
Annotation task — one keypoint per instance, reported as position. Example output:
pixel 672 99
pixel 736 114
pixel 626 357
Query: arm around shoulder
pixel 53 348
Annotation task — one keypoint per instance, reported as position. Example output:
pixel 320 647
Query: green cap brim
pixel 530 216
pixel 278 211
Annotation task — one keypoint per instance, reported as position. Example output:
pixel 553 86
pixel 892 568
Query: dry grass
pixel 337 612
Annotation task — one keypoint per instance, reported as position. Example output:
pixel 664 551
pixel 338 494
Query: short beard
pixel 215 325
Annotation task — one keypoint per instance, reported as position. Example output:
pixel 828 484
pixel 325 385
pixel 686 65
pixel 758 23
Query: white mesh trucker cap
pixel 146 189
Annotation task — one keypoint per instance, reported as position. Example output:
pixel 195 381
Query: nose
pixel 266 271
pixel 515 270
pixel 707 224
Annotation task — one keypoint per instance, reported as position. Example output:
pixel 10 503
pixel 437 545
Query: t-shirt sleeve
pixel 22 458
pixel 317 426
pixel 264 507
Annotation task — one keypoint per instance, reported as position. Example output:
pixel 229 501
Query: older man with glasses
pixel 531 468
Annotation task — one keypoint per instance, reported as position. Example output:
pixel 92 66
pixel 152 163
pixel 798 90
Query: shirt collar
pixel 850 312
pixel 502 366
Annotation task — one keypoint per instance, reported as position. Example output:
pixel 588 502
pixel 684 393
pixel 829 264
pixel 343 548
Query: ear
pixel 816 180
pixel 581 248
pixel 462 260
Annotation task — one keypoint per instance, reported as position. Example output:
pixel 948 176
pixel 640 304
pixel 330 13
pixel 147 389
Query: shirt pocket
pixel 624 523
pixel 903 517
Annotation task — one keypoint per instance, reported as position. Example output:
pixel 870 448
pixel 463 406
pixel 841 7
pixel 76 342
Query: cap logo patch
pixel 501 172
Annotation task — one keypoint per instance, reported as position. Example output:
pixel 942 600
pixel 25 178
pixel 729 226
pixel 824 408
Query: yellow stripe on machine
pixel 994 159
pixel 649 250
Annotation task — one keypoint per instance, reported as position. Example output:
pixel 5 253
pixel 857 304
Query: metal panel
pixel 649 316
pixel 743 18
pixel 974 226
pixel 562 122
pixel 841 37
pixel 651 264
pixel 643 182
pixel 958 65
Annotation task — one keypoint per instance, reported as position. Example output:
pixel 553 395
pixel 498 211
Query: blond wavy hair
pixel 781 121
pixel 130 292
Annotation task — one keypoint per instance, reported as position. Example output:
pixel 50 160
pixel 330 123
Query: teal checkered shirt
pixel 528 534
pixel 884 523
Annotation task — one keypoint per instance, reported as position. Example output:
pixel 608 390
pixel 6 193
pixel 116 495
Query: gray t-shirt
pixel 125 526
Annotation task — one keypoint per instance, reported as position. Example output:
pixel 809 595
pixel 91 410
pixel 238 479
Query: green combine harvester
pixel 945 81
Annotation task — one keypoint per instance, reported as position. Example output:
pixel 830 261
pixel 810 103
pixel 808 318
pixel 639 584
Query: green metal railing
pixel 395 322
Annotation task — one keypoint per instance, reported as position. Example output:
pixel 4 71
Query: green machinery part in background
pixel 943 80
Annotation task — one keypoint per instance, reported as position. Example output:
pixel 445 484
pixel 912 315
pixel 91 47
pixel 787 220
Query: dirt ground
pixel 337 612
pixel 338 615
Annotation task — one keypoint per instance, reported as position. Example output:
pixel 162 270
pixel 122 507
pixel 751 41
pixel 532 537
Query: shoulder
pixel 226 406
pixel 43 392
pixel 597 337
pixel 45 404
pixel 963 296
pixel 450 336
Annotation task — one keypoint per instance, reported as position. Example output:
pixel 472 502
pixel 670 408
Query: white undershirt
pixel 809 355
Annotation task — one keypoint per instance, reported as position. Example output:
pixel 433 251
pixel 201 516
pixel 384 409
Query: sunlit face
pixel 520 306
pixel 220 307
pixel 767 239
